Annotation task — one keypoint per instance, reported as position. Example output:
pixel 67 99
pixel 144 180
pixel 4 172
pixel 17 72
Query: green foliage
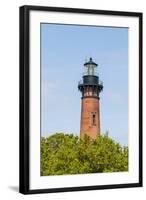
pixel 67 154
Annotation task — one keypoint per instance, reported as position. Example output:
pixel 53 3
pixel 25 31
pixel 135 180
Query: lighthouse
pixel 90 87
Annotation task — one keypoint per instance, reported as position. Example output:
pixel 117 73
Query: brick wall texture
pixel 90 117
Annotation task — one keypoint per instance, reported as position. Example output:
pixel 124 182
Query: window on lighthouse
pixel 90 70
pixel 93 119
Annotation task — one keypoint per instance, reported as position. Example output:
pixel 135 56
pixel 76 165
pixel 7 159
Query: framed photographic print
pixel 80 99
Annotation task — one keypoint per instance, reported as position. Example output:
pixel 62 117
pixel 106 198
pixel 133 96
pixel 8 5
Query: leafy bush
pixel 67 154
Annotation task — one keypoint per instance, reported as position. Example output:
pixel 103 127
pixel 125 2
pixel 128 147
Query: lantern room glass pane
pixel 90 70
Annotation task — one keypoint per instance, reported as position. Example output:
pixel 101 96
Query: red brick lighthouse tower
pixel 90 88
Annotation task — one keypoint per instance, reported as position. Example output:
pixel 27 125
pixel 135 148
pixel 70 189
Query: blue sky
pixel 64 49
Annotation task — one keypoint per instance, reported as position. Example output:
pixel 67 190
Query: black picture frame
pixel 25 105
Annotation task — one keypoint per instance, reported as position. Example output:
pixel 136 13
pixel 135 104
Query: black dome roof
pixel 90 62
